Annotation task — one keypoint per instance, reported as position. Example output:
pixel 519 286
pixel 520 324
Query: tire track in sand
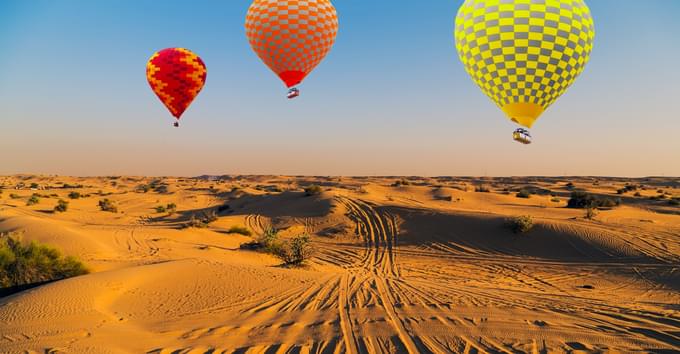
pixel 379 231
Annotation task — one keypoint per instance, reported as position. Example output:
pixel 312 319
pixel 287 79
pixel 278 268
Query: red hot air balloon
pixel 176 75
pixel 291 36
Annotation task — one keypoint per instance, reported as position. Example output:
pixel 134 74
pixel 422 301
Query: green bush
pixel 107 205
pixel 296 251
pixel 555 200
pixel 161 209
pixel 292 252
pixel 401 182
pixel 658 197
pixel 62 206
pixel 590 213
pixel 171 208
pixel 482 189
pixel 313 190
pixel 35 186
pixel 22 264
pixel 268 242
pixel 239 230
pixel 74 195
pixel 14 196
pixel 33 200
pixel 524 193
pixel 520 224
pixel 202 221
pixel 583 200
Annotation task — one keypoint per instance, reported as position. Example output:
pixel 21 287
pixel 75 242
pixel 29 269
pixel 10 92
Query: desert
pixel 395 265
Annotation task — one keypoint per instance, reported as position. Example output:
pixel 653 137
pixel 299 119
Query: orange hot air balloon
pixel 291 36
pixel 176 75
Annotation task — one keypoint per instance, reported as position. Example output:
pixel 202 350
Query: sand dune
pixel 423 266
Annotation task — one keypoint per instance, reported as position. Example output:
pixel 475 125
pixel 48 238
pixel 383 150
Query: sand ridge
pixel 424 265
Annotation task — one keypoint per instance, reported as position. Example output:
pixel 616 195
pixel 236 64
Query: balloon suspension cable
pixel 293 92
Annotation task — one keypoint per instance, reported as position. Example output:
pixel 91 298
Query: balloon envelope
pixel 524 54
pixel 291 36
pixel 176 75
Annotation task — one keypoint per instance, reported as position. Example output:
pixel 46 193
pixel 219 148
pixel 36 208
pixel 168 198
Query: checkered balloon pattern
pixel 524 52
pixel 291 36
pixel 176 75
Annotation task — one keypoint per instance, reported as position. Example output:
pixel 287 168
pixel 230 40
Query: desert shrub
pixel 268 242
pixel 202 221
pixel 62 206
pixel 35 186
pixel 296 250
pixel 74 195
pixel 163 188
pixel 161 209
pixel 569 185
pixel 33 200
pixel 14 196
pixel 520 224
pixel 590 213
pixel 582 200
pixel 401 182
pixel 658 197
pixel 482 189
pixel 674 202
pixel 71 186
pixel 239 230
pixel 107 205
pixel 627 188
pixel 313 190
pixel 524 193
pixel 209 217
pixel 555 200
pixel 171 208
pixel 637 194
pixel 22 264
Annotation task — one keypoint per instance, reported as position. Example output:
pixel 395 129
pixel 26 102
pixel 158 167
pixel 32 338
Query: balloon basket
pixel 522 136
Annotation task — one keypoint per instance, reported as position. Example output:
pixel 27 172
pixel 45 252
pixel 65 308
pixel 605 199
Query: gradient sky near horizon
pixel 391 98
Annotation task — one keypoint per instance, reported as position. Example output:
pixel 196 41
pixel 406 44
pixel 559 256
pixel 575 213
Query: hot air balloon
pixel 176 75
pixel 524 54
pixel 291 36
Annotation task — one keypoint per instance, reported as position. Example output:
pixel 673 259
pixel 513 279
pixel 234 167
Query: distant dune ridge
pixel 400 264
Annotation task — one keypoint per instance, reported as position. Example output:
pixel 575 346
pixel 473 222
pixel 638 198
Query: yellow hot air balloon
pixel 524 53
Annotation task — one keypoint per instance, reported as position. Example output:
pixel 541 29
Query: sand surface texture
pixel 423 266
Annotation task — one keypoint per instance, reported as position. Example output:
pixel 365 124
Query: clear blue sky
pixel 391 97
